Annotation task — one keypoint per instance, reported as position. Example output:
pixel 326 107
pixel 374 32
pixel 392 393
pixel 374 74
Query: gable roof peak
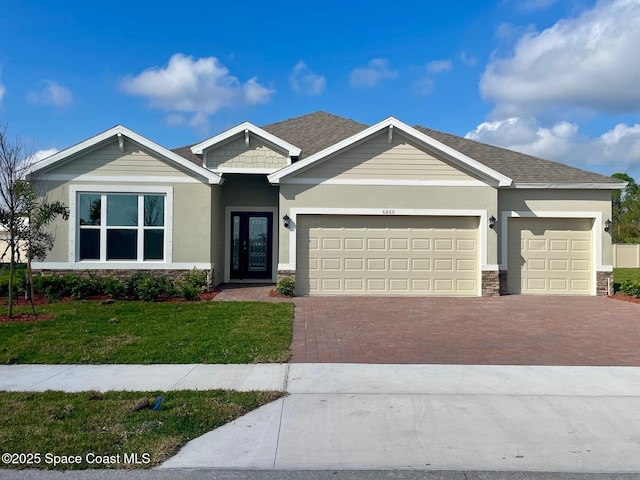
pixel 245 127
pixel 119 131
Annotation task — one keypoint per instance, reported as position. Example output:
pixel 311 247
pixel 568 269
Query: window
pixel 121 226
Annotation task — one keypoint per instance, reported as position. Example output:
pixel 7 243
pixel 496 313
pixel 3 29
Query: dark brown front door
pixel 251 245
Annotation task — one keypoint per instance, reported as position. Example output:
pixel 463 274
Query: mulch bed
pixel 625 298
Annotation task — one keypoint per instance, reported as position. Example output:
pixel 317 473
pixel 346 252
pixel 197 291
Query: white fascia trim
pixel 208 175
pixel 133 189
pixel 115 178
pixel 490 268
pixel 385 181
pixel 263 171
pixel 604 268
pixel 596 236
pixel 573 185
pixel 482 214
pixel 120 266
pixel 227 236
pixel 500 179
pixel 286 266
pixel 202 146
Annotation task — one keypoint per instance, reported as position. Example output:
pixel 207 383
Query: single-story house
pixel 342 207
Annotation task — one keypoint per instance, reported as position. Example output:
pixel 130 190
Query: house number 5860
pixel 388 212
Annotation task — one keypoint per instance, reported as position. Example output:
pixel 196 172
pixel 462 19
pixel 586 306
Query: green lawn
pixel 98 429
pixel 88 332
pixel 621 274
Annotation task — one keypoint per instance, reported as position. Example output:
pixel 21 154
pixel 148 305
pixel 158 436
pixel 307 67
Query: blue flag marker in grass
pixel 158 402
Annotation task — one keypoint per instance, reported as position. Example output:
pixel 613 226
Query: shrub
pixel 196 278
pixel 82 287
pixel 189 291
pixel 132 283
pixel 629 287
pixel 114 287
pixel 286 286
pixel 148 289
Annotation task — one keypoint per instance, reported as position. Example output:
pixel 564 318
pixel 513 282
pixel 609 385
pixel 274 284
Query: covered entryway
pixel 251 245
pixel 389 255
pixel 550 256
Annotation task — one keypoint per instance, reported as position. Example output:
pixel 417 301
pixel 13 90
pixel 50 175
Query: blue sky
pixel 555 78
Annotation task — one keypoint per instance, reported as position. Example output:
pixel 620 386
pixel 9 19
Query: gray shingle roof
pixel 319 130
pixel 315 131
pixel 521 168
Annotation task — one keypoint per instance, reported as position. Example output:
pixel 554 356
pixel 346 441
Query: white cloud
pixel 304 81
pixel 377 70
pixel 439 66
pixel 52 94
pixel 586 62
pixel 468 60
pixel 200 87
pixel 42 154
pixel 617 150
pixel 424 86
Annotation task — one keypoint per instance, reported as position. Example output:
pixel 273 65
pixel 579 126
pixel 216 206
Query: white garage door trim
pixel 483 227
pixel 596 237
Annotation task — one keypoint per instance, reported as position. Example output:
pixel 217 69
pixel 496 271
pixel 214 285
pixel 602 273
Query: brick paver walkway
pixel 515 329
pixel 247 292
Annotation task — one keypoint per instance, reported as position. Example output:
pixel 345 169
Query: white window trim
pixel 596 237
pixel 482 227
pixel 74 230
pixel 274 242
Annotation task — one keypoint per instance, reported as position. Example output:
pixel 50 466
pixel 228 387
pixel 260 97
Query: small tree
pixel 22 216
pixel 37 241
pixel 13 168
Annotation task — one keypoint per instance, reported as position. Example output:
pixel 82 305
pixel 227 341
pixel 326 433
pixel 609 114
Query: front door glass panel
pixel 258 244
pixel 251 245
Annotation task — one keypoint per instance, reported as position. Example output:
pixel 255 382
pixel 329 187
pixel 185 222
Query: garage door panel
pixel 549 255
pixel 393 255
pixel 376 264
pixel 354 244
pixel 376 243
pixel 421 244
pixel 443 244
pixel 559 265
pixel 399 264
pixel 351 264
pixel 558 245
pixel 420 264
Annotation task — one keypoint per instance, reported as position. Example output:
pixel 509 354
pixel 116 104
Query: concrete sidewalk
pixel 422 417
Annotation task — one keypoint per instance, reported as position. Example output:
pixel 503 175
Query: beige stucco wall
pixel 378 159
pixel 217 233
pixel 384 197
pixel 561 200
pixel 236 154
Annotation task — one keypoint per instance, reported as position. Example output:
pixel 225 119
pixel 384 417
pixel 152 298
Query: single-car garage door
pixel 392 255
pixel 549 255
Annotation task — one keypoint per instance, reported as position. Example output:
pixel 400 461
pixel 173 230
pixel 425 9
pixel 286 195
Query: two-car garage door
pixel 392 255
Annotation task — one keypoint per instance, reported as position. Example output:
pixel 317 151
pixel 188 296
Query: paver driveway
pixel 508 330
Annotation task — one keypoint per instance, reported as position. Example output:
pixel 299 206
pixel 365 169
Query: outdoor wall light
pixel 492 221
pixel 607 225
pixel 286 221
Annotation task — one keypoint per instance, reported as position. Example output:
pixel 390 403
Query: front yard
pixel 68 431
pixel 133 332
